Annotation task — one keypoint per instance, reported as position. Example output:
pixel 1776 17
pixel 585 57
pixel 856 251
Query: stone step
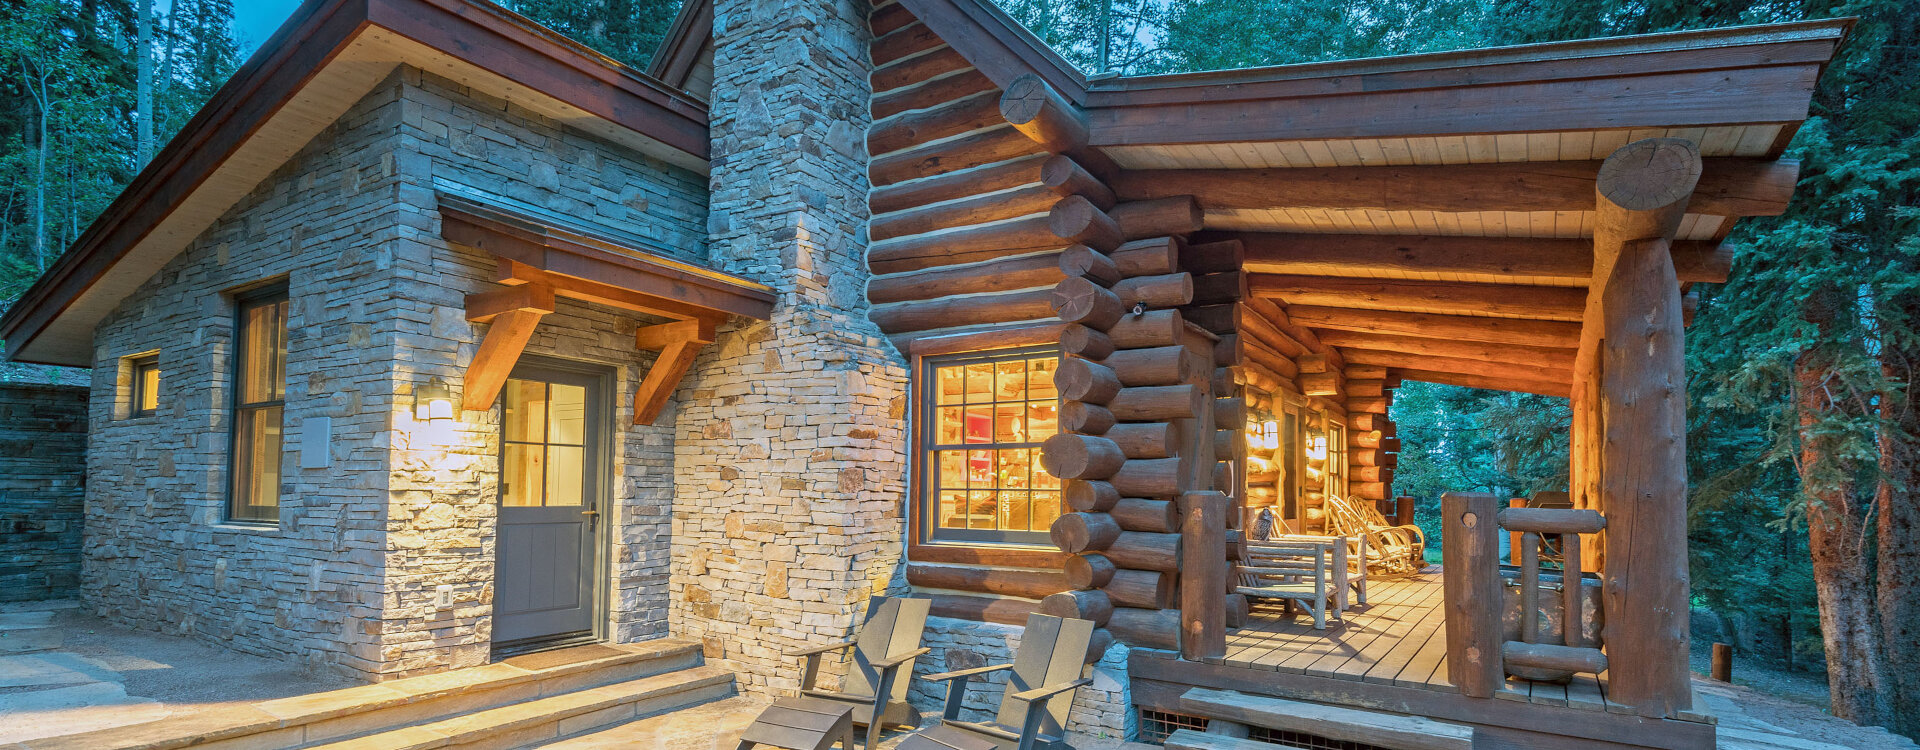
pixel 556 717
pixel 29 631
pixel 1332 722
pixel 307 720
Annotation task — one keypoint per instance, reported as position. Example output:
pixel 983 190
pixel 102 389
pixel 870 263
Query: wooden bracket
pixel 677 343
pixel 511 314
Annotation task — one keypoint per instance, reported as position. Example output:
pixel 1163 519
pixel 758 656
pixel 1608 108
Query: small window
pixel 986 416
pixel 145 395
pixel 259 398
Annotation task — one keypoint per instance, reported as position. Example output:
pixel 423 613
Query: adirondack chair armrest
pixel 1040 694
pixel 818 650
pixel 957 686
pixel 902 658
pixel 945 676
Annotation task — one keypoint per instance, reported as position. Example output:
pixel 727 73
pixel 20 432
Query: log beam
pixel 1556 358
pixel 1481 368
pixel 678 342
pixel 1492 259
pixel 1511 331
pixel 1536 302
pixel 1728 187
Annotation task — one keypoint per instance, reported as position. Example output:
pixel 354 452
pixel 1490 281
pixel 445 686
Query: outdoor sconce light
pixel 1317 447
pixel 433 401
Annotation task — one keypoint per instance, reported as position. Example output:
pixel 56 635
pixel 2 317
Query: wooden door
pixel 552 427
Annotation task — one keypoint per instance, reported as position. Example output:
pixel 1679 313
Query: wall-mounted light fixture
pixel 433 401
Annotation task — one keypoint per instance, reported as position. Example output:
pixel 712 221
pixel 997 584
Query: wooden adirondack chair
pixel 883 656
pixel 1045 673
pixel 1311 571
pixel 1269 527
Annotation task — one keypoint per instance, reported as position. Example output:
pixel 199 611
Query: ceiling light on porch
pixel 433 401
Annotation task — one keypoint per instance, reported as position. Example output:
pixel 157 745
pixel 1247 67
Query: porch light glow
pixel 433 402
pixel 1317 447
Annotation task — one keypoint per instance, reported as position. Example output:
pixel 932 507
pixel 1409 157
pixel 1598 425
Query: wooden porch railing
pixel 1479 653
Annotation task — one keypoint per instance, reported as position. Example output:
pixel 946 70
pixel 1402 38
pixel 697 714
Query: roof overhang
pixel 328 56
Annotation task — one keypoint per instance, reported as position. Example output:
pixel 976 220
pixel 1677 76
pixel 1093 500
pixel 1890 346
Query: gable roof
pixel 325 58
pixel 685 57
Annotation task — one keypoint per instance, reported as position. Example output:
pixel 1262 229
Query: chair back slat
pixel 893 625
pixel 1052 651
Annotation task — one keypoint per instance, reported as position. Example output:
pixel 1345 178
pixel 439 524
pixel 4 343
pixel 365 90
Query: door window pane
pixel 522 475
pixel 565 469
pixel 543 453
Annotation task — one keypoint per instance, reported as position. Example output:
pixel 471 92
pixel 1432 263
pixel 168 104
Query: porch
pixel 1390 654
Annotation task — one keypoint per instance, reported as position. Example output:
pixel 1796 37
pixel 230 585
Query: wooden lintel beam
pixel 1541 302
pixel 1471 258
pixel 1728 187
pixel 678 343
pixel 506 338
pixel 1514 331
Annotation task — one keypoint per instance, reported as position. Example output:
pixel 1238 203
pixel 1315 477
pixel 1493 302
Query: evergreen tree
pixel 625 30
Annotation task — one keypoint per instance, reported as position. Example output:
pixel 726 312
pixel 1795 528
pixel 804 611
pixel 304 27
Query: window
pixel 986 416
pixel 259 396
pixel 144 398
pixel 543 444
pixel 1336 458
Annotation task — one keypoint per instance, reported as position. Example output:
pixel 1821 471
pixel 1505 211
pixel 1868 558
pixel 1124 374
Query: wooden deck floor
pixel 1399 638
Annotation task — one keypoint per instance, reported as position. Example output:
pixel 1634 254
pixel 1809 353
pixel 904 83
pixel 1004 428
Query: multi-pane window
pixel 145 395
pixel 543 444
pixel 1336 459
pixel 259 398
pixel 987 414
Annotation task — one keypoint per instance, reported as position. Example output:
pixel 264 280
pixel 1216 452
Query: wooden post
pixel 1513 537
pixel 1722 662
pixel 1643 483
pixel 1632 357
pixel 1203 572
pixel 1470 547
pixel 1403 511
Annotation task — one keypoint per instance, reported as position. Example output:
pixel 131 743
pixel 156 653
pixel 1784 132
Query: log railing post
pixel 1513 537
pixel 1470 543
pixel 1203 573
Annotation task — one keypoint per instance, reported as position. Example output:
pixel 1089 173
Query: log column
pixel 1630 429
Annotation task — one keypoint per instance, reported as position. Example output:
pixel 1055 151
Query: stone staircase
pixel 1230 715
pixel 516 703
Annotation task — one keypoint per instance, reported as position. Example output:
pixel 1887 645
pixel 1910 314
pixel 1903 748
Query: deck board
pixel 1399 638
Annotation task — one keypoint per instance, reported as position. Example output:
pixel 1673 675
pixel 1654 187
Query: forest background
pixel 1802 428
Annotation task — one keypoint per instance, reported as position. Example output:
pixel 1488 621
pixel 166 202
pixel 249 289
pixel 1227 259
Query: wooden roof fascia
pixel 1706 49
pixel 680 49
pixel 1766 78
pixel 998 45
pixel 547 247
pixel 318 31
pixel 509 45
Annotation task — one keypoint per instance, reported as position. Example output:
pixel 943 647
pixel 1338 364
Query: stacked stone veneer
pixel 348 575
pixel 791 442
pixel 43 469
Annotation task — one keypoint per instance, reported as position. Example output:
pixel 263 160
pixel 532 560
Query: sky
pixel 255 20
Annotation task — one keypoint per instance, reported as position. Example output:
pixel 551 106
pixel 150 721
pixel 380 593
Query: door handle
pixel 589 512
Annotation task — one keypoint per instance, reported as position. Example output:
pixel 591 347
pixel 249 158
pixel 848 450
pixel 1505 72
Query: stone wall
pixel 791 442
pixel 159 553
pixel 43 471
pixel 444 481
pixel 1102 709
pixel 348 577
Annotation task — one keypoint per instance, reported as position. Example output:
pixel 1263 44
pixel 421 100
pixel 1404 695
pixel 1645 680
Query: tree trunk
pixel 1836 540
pixel 1897 532
pixel 143 85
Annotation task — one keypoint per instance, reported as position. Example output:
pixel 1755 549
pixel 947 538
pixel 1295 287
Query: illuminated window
pixel 259 399
pixel 986 416
pixel 543 444
pixel 144 398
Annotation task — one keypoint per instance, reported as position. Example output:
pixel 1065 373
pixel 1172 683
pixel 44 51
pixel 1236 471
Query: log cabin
pixel 833 300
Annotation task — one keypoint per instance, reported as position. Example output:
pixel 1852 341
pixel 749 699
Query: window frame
pixel 924 449
pixel 244 302
pixel 137 390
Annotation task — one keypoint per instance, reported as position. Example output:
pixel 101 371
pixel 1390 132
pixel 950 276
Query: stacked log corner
pixel 1137 407
pixel 1369 394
